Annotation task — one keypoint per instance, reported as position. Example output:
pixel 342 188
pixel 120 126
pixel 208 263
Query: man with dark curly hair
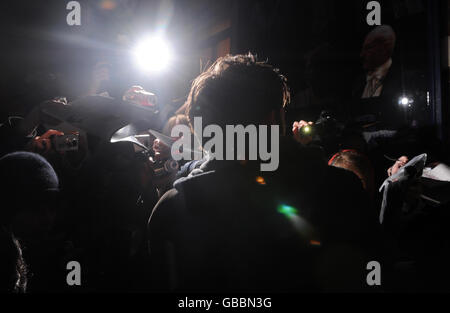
pixel 229 226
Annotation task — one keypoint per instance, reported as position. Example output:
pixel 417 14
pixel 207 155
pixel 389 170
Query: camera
pixel 325 126
pixel 160 168
pixel 65 143
pixel 167 167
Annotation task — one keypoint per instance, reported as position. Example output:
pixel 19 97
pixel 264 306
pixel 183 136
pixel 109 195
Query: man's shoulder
pixel 175 202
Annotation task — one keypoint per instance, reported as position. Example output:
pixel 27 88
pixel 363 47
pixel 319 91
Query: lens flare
pixel 287 210
pixel 260 180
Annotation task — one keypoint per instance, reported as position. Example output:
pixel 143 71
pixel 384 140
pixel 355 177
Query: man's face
pixel 376 51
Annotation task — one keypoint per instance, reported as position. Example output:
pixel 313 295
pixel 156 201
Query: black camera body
pixel 66 143
pixel 167 167
pixel 160 168
pixel 325 126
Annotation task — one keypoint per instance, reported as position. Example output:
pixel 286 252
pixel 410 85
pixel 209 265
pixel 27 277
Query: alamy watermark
pixel 73 277
pixel 373 278
pixel 259 145
pixel 74 16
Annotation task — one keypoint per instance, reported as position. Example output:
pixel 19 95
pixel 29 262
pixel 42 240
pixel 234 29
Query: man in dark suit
pixel 387 94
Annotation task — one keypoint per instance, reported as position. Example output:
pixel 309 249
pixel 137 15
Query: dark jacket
pixel 222 229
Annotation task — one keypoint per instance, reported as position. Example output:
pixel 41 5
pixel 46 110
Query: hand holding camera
pixel 303 131
pixel 54 140
pixel 43 144
pixel 65 143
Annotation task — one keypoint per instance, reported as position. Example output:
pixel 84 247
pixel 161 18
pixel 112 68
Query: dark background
pixel 43 57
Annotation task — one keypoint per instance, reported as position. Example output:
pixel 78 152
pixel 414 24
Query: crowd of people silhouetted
pixel 136 219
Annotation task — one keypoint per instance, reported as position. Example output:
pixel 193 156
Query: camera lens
pixel 171 166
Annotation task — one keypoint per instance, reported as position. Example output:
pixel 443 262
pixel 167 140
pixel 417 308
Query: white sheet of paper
pixel 440 172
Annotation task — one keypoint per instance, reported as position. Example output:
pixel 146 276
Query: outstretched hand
pixel 299 135
pixel 43 144
pixel 397 165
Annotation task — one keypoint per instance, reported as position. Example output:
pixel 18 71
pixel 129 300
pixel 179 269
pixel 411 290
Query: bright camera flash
pixel 404 101
pixel 152 54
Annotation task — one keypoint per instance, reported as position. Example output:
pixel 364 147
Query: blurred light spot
pixel 314 243
pixel 260 180
pixel 405 101
pixel 108 4
pixel 152 54
pixel 287 210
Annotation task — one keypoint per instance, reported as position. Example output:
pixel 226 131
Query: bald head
pixel 378 47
